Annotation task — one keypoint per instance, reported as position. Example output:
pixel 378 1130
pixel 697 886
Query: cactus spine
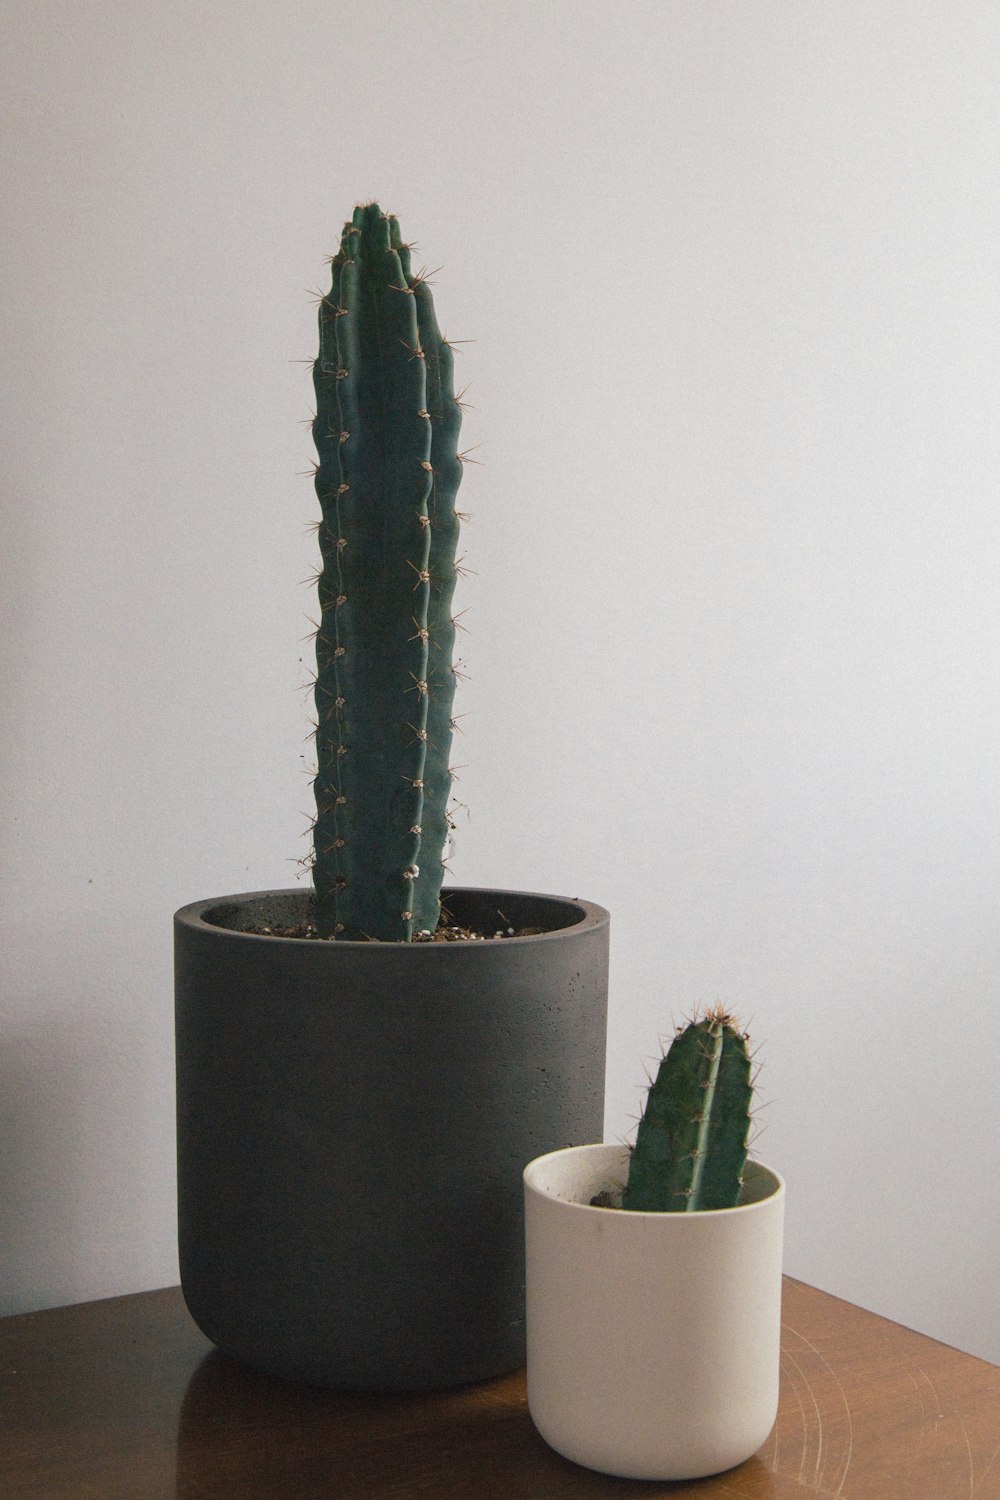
pixel 388 469
pixel 691 1145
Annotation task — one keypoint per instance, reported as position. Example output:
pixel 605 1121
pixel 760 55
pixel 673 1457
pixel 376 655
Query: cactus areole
pixel 388 470
pixel 691 1145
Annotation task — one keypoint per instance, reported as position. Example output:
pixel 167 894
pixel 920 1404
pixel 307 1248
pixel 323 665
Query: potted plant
pixel 654 1278
pixel 359 1081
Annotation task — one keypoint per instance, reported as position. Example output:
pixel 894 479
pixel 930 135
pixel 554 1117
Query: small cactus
pixel 691 1145
pixel 386 429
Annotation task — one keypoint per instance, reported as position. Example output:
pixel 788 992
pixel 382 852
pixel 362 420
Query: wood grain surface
pixel 125 1400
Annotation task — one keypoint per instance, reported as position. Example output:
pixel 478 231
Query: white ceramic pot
pixel 653 1339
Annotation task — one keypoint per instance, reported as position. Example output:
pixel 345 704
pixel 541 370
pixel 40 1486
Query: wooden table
pixel 125 1400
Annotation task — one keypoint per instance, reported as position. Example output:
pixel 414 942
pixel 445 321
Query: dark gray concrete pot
pixel 352 1123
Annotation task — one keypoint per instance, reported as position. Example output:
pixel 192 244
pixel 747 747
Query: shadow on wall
pixel 75 1198
pixel 42 1130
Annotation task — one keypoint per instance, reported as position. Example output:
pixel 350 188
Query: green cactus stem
pixel 388 469
pixel 445 419
pixel 691 1145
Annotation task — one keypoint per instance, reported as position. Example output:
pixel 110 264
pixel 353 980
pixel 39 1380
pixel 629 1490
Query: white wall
pixel 730 269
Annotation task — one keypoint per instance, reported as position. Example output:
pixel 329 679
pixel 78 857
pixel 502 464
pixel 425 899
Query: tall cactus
pixel 691 1145
pixel 388 470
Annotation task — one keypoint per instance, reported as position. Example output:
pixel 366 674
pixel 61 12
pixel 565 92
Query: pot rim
pixel 193 915
pixel 617 1150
